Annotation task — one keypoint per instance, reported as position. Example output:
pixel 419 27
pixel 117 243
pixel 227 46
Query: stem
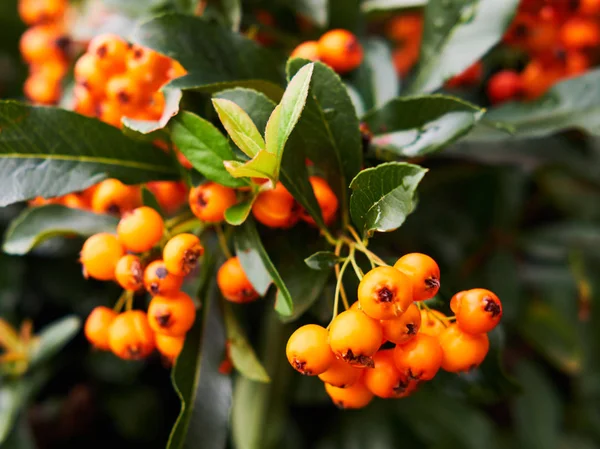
pixel 362 247
pixel 338 248
pixel 430 313
pixel 339 287
pixel 222 241
pixel 186 226
pixel 125 300
pixel 357 270
pixel 184 216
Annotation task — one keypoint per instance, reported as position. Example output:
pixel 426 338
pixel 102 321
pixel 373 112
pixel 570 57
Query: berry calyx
pixel 182 253
pixel 419 358
pixel 129 272
pixel 158 280
pixel 355 337
pixel 423 272
pixel 172 315
pixel 385 293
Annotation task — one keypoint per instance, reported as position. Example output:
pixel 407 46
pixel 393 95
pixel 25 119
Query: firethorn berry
pixel 355 396
pixel 129 272
pixel 462 351
pixel 234 283
pixel 478 311
pixel 576 63
pixel 171 195
pixel 471 76
pixel 147 67
pixel 110 52
pixel 172 315
pixel 384 379
pixel 181 254
pixel 140 229
pixel 124 91
pixel 33 12
pixel 210 201
pixel 74 201
pixel 97 326
pixel 43 43
pixel 340 50
pixel 130 336
pixel 276 208
pixel 99 256
pixel 537 78
pixel 455 300
pixel 42 90
pixel 419 358
pixel 169 346
pixel 85 103
pixel 327 200
pixel 401 329
pixel 158 280
pixel 405 57
pixel 307 50
pixel 385 293
pixel 88 74
pixel 307 350
pixel 113 197
pixel 589 7
pixel 580 32
pixel 355 337
pixel 423 272
pixel 110 112
pixel 433 322
pixel 504 86
pixel 340 374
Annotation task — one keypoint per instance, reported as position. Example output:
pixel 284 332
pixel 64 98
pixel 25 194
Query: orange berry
pixel 355 396
pixel 307 50
pixel 471 76
pixel 589 7
pixel 433 322
pixel 355 337
pixel 53 70
pixel 423 272
pixel 478 311
pixel 110 112
pixel 341 374
pixel 504 86
pixel 537 78
pixel 88 74
pixel 401 329
pixel 140 229
pixel 176 70
pixel 147 67
pixel 99 255
pixel 181 254
pixel 97 326
pixel 308 352
pixel 384 380
pixel 276 208
pixel 74 201
pixel 128 272
pixel 455 300
pixel 42 90
pixel 405 57
pixel 130 336
pixel 385 293
pixel 210 201
pixel 172 315
pixel 580 32
pixel 85 103
pixel 327 200
pixel 169 346
pixel 33 12
pixel 158 280
pixel 462 351
pixel 110 51
pixel 124 91
pixel 113 197
pixel 405 27
pixel 341 50
pixel 43 43
pixel 576 63
pixel 234 283
pixel 171 195
pixel 420 358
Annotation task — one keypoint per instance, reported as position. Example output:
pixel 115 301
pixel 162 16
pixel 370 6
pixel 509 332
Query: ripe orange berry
pixel 234 283
pixel 405 27
pixel 124 91
pixel 419 358
pixel 172 315
pixel 471 76
pixel 327 200
pixel 210 201
pixel 307 50
pixel 147 67
pixel 113 197
pixel 171 195
pixel 53 70
pixel 355 337
pixel 462 351
pixel 74 201
pixel 158 280
pixel 504 86
pixel 97 326
pixel 401 329
pixel 455 300
pixel 537 78
pixel 88 74
pixel 43 43
pixel 423 272
pixel 580 32
pixel 355 396
pixel 385 293
pixel 433 322
pixel 128 272
pixel 130 336
pixel 340 50
pixel 181 254
pixel 85 103
pixel 99 255
pixel 169 346
pixel 478 311
pixel 308 352
pixel 33 12
pixel 110 52
pixel 576 63
pixel 140 229
pixel 276 208
pixel 384 380
pixel 405 57
pixel 341 374
pixel 110 112
pixel 42 90
pixel 589 7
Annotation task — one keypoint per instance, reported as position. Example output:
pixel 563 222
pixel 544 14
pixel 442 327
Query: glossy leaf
pixel 382 197
pixel 148 199
pixel 53 338
pixel 38 224
pixel 456 34
pixel 238 213
pixel 204 146
pixel 263 165
pixel 414 126
pixel 323 260
pixel 239 126
pixel 68 152
pixel 242 355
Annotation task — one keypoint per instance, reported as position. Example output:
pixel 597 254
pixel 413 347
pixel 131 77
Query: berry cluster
pixel 339 49
pixel 45 47
pixel 389 340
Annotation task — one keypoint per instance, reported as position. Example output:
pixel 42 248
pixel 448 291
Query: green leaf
pixel 213 56
pixel 68 152
pixel 315 10
pixel 204 146
pixel 258 266
pixel 38 224
pixel 323 260
pixel 229 11
pixel 415 126
pixel 456 34
pixel 344 14
pixel 239 212
pixel 382 197
pixel 263 165
pixel 242 355
pixel 239 126
pixel 387 5
pixel 172 100
pixel 53 338
pixel 329 129
pixel 148 199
